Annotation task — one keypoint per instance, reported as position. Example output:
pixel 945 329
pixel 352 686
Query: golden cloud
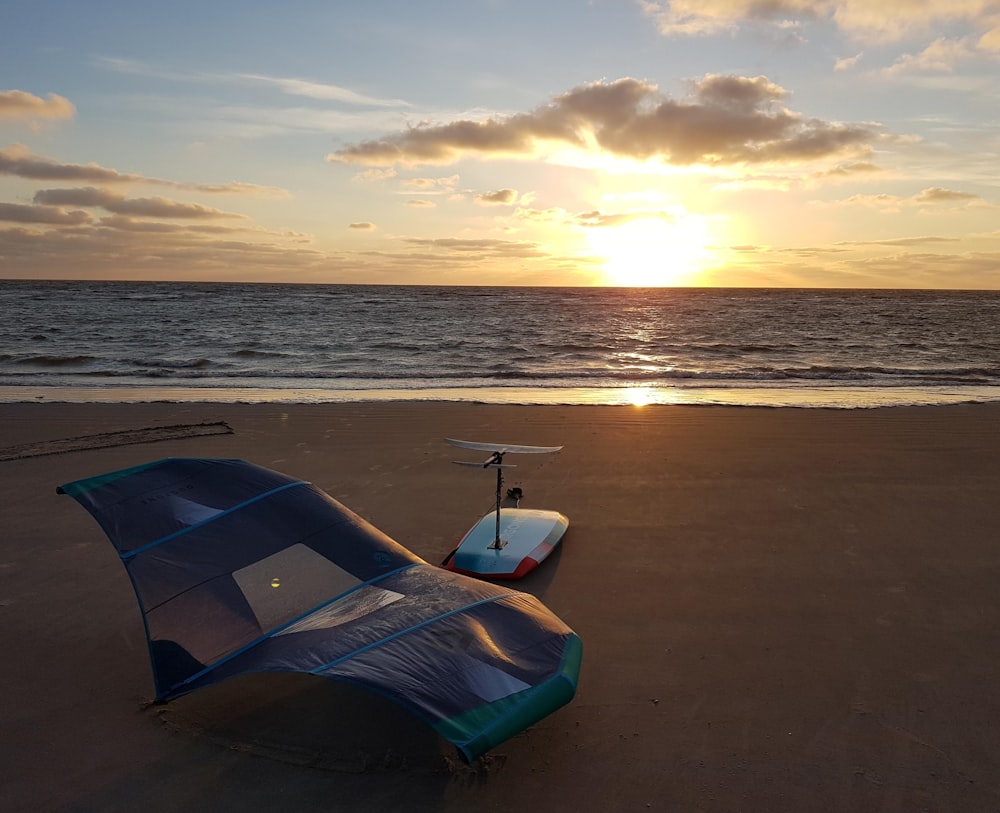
pixel 136 207
pixel 501 197
pixel 19 161
pixel 18 105
pixel 882 21
pixel 728 120
pixel 49 215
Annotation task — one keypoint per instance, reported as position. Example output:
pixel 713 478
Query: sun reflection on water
pixel 639 396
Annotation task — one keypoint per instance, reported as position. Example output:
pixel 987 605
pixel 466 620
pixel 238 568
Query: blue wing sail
pixel 241 569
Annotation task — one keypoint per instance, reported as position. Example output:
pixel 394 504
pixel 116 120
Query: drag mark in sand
pixel 107 440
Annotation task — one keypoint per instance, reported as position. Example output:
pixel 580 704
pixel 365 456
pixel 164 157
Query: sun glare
pixel 652 252
pixel 639 396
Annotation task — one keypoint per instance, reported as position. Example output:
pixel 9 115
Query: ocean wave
pixel 212 376
pixel 162 297
pixel 249 353
pixel 175 364
pixel 403 346
pixel 275 336
pixel 55 361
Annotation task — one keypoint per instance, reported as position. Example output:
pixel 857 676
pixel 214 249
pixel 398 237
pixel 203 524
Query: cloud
pixel 375 175
pixel 847 62
pixel 553 214
pixel 935 194
pixel 485 246
pixel 933 197
pixel 943 55
pixel 594 219
pixel 421 204
pixel 990 41
pixel 900 241
pixel 20 106
pixel 894 20
pixel 699 17
pixel 159 252
pixel 137 207
pixel 727 120
pixel 854 170
pixel 362 226
pixel 125 223
pixel 309 89
pixel 22 213
pixel 291 86
pixel 501 197
pixel 436 185
pixel 61 234
pixel 232 188
pixel 882 21
pixel 598 219
pixel 18 160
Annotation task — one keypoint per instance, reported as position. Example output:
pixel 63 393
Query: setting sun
pixel 652 252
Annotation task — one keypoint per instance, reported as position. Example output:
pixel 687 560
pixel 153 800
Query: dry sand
pixel 781 610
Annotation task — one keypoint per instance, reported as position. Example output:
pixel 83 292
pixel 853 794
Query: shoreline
pixel 781 609
pixel 807 397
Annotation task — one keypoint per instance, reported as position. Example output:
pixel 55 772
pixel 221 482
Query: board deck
pixel 530 536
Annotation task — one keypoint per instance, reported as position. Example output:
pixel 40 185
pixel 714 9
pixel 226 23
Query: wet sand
pixel 781 610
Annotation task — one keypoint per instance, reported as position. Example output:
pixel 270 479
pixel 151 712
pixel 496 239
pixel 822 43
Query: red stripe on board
pixel 524 568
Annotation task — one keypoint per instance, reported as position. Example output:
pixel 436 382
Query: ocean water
pixel 125 341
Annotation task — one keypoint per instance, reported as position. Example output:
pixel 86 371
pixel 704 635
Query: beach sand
pixel 781 610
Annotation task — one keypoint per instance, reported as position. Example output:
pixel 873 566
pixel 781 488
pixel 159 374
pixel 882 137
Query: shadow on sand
pixel 311 722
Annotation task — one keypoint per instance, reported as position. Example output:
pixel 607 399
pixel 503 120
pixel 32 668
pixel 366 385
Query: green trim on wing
pixel 78 487
pixel 477 731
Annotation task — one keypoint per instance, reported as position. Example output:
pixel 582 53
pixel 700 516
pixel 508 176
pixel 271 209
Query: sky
pixel 738 143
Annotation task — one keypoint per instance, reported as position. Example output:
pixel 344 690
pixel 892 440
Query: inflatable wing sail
pixel 241 569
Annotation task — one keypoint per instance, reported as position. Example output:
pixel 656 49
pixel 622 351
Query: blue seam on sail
pixel 135 552
pixel 381 641
pixel 290 622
